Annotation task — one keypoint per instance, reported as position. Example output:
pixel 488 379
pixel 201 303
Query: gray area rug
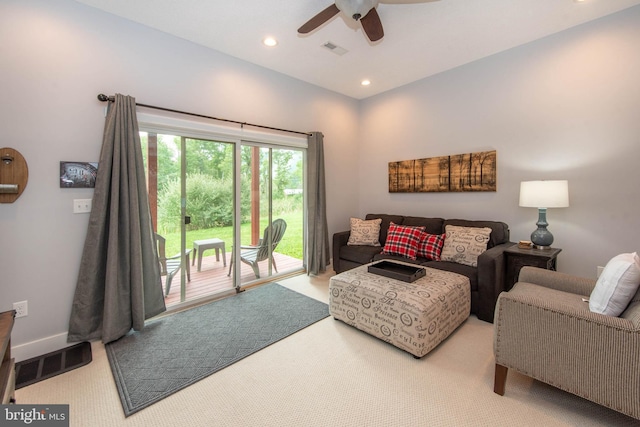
pixel 176 351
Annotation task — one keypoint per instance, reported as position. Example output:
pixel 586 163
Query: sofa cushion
pixel 403 241
pixel 359 254
pixel 499 230
pixel 616 286
pixel 431 225
pixel 364 232
pixel 386 220
pixel 465 270
pixel 430 246
pixel 464 244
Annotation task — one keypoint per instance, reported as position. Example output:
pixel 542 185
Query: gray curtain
pixel 317 253
pixel 119 279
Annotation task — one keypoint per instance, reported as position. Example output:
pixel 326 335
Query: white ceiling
pixel 422 37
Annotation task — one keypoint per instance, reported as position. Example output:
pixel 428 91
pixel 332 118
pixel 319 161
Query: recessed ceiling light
pixel 269 41
pixel 365 82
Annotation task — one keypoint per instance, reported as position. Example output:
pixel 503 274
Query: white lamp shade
pixel 544 194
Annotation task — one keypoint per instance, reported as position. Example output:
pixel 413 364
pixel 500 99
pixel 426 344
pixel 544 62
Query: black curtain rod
pixel 104 98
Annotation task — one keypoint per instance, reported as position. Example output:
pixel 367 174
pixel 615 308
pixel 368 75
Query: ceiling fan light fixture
pixel 356 9
pixel 360 10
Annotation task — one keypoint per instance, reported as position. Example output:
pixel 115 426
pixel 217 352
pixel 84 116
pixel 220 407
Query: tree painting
pixel 460 172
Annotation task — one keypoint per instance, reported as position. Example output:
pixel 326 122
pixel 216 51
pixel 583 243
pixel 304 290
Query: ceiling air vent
pixel 335 48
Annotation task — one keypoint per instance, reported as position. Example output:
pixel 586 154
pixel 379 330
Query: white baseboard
pixel 39 347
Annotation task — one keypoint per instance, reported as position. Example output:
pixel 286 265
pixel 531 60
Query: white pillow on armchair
pixel 616 286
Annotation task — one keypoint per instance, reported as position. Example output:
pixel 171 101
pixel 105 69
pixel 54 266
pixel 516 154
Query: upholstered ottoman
pixel 414 317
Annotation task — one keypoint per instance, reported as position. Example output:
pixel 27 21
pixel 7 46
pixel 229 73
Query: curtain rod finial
pixel 102 97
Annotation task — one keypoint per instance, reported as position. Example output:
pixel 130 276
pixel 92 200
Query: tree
pixel 459 161
pixel 210 158
pixel 423 162
pixel 168 161
pixel 481 158
pixel 395 167
pixel 281 171
pixel 444 171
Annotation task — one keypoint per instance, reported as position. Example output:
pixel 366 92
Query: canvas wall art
pixel 457 173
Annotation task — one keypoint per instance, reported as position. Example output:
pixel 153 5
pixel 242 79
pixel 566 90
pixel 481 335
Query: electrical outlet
pixel 21 308
pixel 81 206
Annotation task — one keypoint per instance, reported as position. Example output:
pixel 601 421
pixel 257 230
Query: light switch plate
pixel 81 206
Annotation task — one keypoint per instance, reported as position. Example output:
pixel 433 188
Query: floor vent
pixel 335 48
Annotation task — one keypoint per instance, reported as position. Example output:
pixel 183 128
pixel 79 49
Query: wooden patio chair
pixel 169 266
pixel 252 255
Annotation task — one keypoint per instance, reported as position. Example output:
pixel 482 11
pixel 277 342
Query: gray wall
pixel 55 58
pixel 564 107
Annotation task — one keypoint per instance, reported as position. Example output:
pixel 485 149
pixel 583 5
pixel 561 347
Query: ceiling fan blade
pixel 372 26
pixel 319 19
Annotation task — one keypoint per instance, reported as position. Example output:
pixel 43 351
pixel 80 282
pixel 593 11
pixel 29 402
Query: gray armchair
pixel 543 329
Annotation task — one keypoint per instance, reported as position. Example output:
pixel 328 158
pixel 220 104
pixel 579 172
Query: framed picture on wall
pixel 78 174
pixel 455 173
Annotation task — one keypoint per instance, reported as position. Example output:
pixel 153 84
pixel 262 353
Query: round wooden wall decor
pixel 14 175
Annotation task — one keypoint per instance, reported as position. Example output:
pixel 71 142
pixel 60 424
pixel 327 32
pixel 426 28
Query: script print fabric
pixel 464 245
pixel 414 317
pixel 364 232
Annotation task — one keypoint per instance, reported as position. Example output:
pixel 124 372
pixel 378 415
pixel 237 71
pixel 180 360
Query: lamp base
pixel 542 238
pixel 542 248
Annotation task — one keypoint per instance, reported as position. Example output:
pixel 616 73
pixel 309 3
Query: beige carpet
pixel 330 374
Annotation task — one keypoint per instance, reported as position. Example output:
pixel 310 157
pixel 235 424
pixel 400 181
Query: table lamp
pixel 543 195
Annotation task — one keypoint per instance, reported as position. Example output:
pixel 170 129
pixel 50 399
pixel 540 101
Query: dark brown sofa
pixel 487 280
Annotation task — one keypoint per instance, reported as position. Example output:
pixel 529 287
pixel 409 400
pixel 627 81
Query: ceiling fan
pixel 360 10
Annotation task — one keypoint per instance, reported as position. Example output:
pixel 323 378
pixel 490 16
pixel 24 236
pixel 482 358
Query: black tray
pixel 394 270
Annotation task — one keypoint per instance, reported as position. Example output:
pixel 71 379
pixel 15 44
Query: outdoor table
pixel 199 246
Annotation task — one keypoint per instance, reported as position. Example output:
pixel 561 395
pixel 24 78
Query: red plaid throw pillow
pixel 403 241
pixel 430 246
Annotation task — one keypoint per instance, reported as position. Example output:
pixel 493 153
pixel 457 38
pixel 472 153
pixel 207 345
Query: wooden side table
pixel 516 258
pixel 7 369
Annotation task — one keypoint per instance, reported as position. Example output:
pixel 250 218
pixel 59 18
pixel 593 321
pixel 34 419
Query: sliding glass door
pixel 206 195
pixel 190 184
pixel 272 211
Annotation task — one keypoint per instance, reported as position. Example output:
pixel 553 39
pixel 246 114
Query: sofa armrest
pixel 491 276
pixel 556 280
pixel 339 239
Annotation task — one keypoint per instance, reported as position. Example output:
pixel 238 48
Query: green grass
pixel 290 245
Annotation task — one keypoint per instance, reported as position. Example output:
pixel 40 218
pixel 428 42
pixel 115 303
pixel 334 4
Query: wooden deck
pixel 213 276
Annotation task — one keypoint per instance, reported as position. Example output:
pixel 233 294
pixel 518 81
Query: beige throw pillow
pixel 365 232
pixel 463 245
